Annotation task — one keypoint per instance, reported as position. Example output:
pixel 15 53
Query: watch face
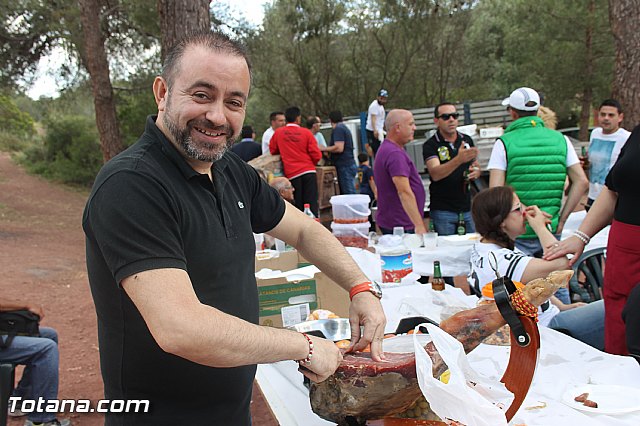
pixel 375 289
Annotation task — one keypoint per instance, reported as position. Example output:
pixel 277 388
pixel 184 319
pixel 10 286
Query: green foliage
pixel 326 55
pixel 134 103
pixel 70 153
pixel 10 142
pixel 547 50
pixel 12 119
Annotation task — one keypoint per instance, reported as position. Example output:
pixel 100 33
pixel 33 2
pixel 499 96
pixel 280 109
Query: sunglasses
pixel 446 117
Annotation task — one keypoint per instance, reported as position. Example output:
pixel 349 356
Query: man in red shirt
pixel 299 152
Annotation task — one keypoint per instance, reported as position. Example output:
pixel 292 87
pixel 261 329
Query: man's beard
pixel 206 152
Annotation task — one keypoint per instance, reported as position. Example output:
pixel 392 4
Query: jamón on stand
pixel 362 389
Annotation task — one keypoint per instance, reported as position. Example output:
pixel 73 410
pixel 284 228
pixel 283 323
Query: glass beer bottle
pixel 437 283
pixel 462 227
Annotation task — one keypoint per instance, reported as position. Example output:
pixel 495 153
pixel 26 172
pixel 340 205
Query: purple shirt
pixel 392 160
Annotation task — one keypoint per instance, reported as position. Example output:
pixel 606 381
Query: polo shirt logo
pixel 240 204
pixel 443 153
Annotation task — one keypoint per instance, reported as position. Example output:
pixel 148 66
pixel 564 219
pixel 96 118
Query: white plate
pixel 460 239
pixel 611 399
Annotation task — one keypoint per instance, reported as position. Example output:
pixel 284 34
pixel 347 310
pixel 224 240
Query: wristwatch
pixel 371 286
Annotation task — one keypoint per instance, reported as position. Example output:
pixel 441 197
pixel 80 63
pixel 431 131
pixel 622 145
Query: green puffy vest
pixel 536 166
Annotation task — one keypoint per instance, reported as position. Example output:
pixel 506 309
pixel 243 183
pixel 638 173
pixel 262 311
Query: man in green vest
pixel 536 161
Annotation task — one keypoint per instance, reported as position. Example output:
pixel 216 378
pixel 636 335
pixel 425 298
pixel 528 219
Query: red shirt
pixel 298 149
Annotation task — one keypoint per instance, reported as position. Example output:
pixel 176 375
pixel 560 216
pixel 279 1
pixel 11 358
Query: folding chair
pixel 7 380
pixel 591 264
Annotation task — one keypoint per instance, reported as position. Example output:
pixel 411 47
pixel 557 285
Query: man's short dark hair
pixel 362 157
pixel 612 103
pixel 275 114
pixel 335 116
pixel 522 113
pixel 436 110
pixel 247 132
pixel 311 120
pixel 213 40
pixel 291 114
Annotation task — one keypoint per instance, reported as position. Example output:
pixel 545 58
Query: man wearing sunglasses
pixel 452 162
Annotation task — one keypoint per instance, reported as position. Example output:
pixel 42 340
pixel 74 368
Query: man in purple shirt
pixel 401 195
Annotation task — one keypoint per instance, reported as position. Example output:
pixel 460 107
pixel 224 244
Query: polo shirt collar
pixel 176 156
pixel 441 138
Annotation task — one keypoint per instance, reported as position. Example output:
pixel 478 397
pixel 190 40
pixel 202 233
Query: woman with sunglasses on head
pixel 500 218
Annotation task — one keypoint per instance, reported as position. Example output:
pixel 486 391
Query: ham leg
pixel 363 389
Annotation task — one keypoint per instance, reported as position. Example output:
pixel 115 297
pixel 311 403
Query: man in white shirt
pixel 375 123
pixel 277 120
pixel 605 144
pixel 529 158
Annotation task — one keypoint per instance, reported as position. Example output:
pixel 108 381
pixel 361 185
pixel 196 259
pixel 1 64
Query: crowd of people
pixel 170 250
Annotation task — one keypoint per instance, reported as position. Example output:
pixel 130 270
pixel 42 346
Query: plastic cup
pixel 398 230
pixel 280 245
pixel 259 240
pixel 430 240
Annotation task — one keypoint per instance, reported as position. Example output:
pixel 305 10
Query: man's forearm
pixel 576 192
pixel 183 326
pixel 496 177
pixel 441 171
pixel 409 204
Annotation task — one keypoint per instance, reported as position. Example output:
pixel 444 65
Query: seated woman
pixel 500 218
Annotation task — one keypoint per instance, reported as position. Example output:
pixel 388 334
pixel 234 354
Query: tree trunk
pixel 587 93
pixel 95 60
pixel 624 17
pixel 180 17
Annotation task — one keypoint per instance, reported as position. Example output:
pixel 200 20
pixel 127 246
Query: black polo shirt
pixel 449 193
pixel 149 209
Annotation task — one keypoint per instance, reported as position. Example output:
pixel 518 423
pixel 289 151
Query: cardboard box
pixel 283 303
pixel 332 296
pixel 285 261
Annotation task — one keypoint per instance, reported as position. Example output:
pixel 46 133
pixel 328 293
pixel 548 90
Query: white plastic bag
pixel 469 397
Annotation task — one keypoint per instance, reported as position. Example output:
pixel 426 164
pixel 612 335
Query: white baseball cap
pixel 523 99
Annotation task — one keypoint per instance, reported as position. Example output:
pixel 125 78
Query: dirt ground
pixel 42 260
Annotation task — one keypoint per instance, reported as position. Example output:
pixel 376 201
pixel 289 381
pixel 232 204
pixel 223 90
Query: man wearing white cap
pixel 375 123
pixel 535 161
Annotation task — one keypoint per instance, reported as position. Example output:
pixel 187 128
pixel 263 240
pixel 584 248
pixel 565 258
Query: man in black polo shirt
pixel 170 254
pixel 451 161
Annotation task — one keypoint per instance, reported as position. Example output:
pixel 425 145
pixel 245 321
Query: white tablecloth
pixel 563 363
pixel 454 259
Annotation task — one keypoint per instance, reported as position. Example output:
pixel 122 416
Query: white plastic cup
pixel 398 230
pixel 259 240
pixel 430 240
pixel 280 245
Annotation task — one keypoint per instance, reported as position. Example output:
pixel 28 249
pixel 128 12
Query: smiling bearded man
pixel 170 255
pixel 210 152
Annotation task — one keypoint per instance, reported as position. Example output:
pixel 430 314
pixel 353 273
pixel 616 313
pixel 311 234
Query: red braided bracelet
pixel 523 306
pixel 307 360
